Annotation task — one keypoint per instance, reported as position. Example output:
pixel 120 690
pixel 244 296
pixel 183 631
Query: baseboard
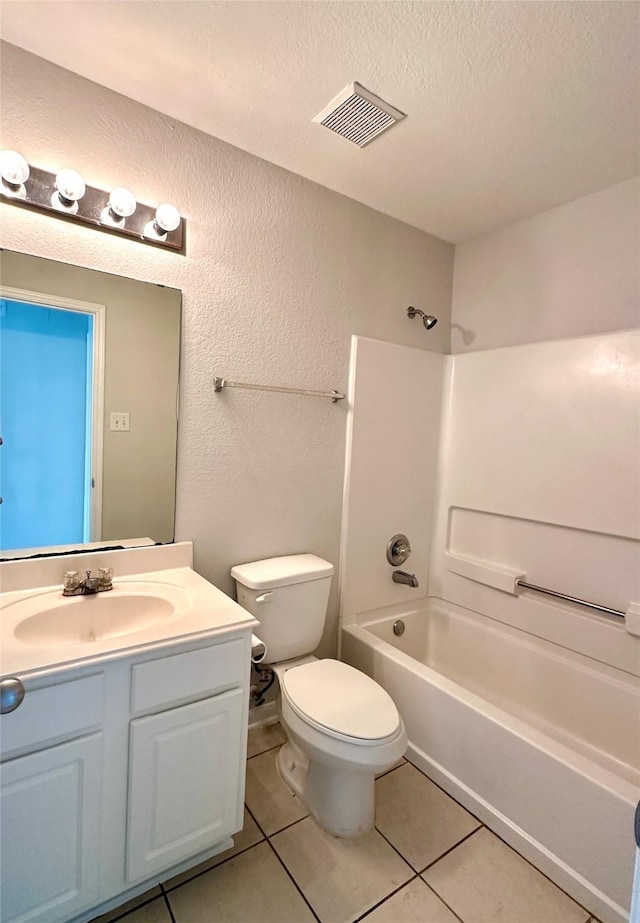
pixel 262 714
pixel 577 887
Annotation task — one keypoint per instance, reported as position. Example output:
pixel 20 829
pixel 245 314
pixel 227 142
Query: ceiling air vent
pixel 358 115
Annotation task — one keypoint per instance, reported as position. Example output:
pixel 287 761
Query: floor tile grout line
pixel 268 750
pixel 395 849
pixel 167 904
pixel 388 897
pixel 254 819
pixel 540 872
pixel 440 898
pixel 280 829
pixel 262 752
pixel 387 772
pixel 288 826
pixel 443 790
pixel 211 868
pixel 450 850
pixel 482 824
pixel 295 883
pixel 536 869
pixel 126 913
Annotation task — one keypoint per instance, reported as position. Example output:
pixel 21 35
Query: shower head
pixel 427 319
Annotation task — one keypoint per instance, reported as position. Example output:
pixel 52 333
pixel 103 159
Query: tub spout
pixel 400 576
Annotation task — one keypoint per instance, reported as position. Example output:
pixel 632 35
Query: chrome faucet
pixel 401 576
pixel 74 585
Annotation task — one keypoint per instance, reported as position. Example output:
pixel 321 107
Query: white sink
pixel 156 600
pixel 54 620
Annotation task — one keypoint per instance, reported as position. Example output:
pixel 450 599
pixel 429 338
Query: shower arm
pixel 411 312
pixel 427 319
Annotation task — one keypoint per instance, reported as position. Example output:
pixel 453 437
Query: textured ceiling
pixel 513 107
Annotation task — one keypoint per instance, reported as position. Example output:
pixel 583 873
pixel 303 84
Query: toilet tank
pixel 289 597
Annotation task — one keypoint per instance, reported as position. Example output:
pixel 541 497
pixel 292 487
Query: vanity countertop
pixel 196 609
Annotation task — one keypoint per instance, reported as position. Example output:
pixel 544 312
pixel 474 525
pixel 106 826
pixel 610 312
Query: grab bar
pixel 572 599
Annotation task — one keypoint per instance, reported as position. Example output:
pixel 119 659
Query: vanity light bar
pixel 65 195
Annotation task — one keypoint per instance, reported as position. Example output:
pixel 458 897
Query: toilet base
pixel 341 801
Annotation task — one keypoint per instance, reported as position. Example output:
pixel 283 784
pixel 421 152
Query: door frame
pixel 98 312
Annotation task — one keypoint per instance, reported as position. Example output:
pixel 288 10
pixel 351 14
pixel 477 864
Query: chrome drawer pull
pixel 11 694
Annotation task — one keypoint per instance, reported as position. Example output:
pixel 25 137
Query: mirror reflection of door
pixel 51 417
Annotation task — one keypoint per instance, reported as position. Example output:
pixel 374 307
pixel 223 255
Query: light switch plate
pixel 119 422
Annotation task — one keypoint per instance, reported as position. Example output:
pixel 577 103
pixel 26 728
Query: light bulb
pixel 70 186
pixel 14 169
pixel 122 202
pixel 167 217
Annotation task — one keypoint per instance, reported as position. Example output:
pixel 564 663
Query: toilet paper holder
pixel 258 649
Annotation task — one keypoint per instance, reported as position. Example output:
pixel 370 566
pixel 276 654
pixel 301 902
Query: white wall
pixel 279 273
pixel 538 474
pixel 570 271
pixel 392 451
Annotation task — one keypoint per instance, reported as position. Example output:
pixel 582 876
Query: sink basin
pixel 52 620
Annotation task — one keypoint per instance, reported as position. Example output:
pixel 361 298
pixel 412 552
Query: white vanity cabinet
pixel 186 763
pixel 50 803
pixel 184 776
pixel 114 780
pixel 48 865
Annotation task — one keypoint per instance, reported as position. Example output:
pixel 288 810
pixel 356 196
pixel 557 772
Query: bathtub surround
pixel 279 273
pixel 392 439
pixel 537 476
pixel 566 516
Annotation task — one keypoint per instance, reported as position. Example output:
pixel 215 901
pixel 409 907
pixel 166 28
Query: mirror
pixel 88 406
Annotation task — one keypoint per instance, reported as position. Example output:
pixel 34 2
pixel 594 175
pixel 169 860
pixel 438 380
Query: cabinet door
pixel 50 815
pixel 184 782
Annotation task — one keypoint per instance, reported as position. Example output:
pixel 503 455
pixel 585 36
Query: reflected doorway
pixel 51 420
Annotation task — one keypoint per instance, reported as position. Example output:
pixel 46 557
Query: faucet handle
pixel 71 580
pixel 105 576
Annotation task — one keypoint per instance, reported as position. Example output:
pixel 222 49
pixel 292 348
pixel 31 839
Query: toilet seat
pixel 340 701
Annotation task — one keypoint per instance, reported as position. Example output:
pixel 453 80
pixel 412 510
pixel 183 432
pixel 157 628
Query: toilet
pixel 342 727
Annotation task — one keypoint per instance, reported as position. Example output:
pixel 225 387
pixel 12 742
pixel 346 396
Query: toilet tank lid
pixel 284 571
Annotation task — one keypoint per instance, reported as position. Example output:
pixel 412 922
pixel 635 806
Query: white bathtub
pixel 542 744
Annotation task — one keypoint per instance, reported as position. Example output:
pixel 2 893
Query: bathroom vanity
pixel 124 762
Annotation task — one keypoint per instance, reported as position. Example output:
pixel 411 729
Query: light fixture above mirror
pixel 65 194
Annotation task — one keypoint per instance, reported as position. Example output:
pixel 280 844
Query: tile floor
pixel 427 860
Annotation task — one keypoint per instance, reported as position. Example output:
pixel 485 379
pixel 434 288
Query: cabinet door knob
pixel 11 694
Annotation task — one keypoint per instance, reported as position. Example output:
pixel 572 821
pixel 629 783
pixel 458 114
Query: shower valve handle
pixel 398 549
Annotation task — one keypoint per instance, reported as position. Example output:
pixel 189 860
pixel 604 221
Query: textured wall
pixel 570 271
pixel 279 273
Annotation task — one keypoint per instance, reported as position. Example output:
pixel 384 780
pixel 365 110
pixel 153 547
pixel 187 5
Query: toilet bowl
pixel 342 727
